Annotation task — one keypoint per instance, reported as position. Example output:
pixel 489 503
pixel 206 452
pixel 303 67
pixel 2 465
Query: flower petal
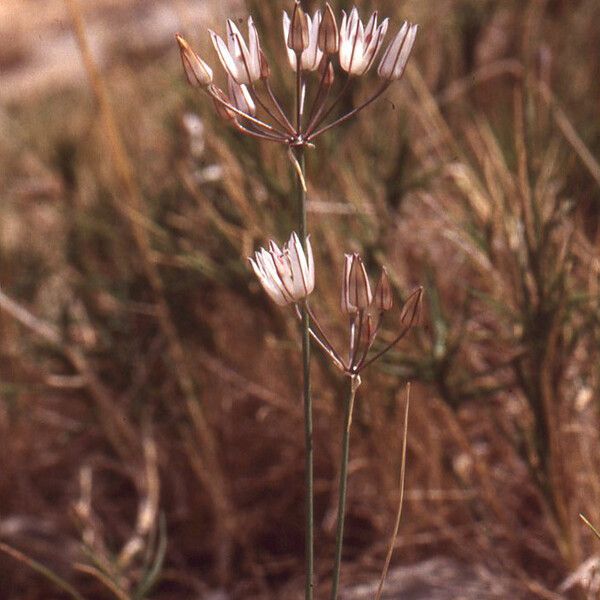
pixel 273 292
pixel 390 59
pixel 228 62
pixel 286 32
pixel 405 52
pixel 254 50
pixel 299 267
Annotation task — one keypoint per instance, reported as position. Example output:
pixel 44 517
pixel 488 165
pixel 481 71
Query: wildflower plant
pixel 318 52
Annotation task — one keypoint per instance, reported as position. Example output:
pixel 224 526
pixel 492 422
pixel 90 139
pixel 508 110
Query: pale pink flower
pixel 394 59
pixel 287 274
pixel 240 60
pixel 311 56
pixel 359 45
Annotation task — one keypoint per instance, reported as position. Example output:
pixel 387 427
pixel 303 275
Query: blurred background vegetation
pixel 150 421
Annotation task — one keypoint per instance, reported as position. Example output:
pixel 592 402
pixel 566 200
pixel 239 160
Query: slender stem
pixel 278 107
pixel 314 321
pixel 298 92
pixel 256 134
pixel 308 417
pixel 372 335
pixel 403 332
pixel 318 101
pixel 265 126
pixel 322 114
pixel 312 136
pixel 329 350
pixel 319 337
pixel 282 129
pixel 353 383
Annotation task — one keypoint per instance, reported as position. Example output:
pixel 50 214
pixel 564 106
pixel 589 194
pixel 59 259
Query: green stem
pixel 308 416
pixel 353 384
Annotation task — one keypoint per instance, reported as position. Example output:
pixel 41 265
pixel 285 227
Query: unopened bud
pixel 411 311
pixel 329 39
pixel 396 56
pixel 265 69
pixel 329 76
pixel 383 292
pixel 356 291
pixel 298 34
pixel 198 73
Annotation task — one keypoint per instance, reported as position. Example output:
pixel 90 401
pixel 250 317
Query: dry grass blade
pixel 42 570
pixel 570 133
pixel 594 530
pixel 390 551
pixel 103 579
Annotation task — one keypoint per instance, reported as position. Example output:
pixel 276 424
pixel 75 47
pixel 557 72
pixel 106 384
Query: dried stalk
pixel 390 551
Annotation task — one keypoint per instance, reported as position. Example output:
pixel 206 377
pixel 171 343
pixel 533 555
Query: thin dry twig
pixel 42 570
pixel 394 535
pixel 594 530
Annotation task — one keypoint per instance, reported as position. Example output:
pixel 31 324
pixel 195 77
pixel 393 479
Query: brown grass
pixel 476 177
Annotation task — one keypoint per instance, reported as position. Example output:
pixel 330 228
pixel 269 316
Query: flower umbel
pixel 365 311
pixel 311 44
pixel 287 274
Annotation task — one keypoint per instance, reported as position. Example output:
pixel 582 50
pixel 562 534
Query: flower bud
pixel 383 292
pixel 356 290
pixel 329 38
pixel 329 76
pixel 411 311
pixel 298 34
pixel 198 73
pixel 396 56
